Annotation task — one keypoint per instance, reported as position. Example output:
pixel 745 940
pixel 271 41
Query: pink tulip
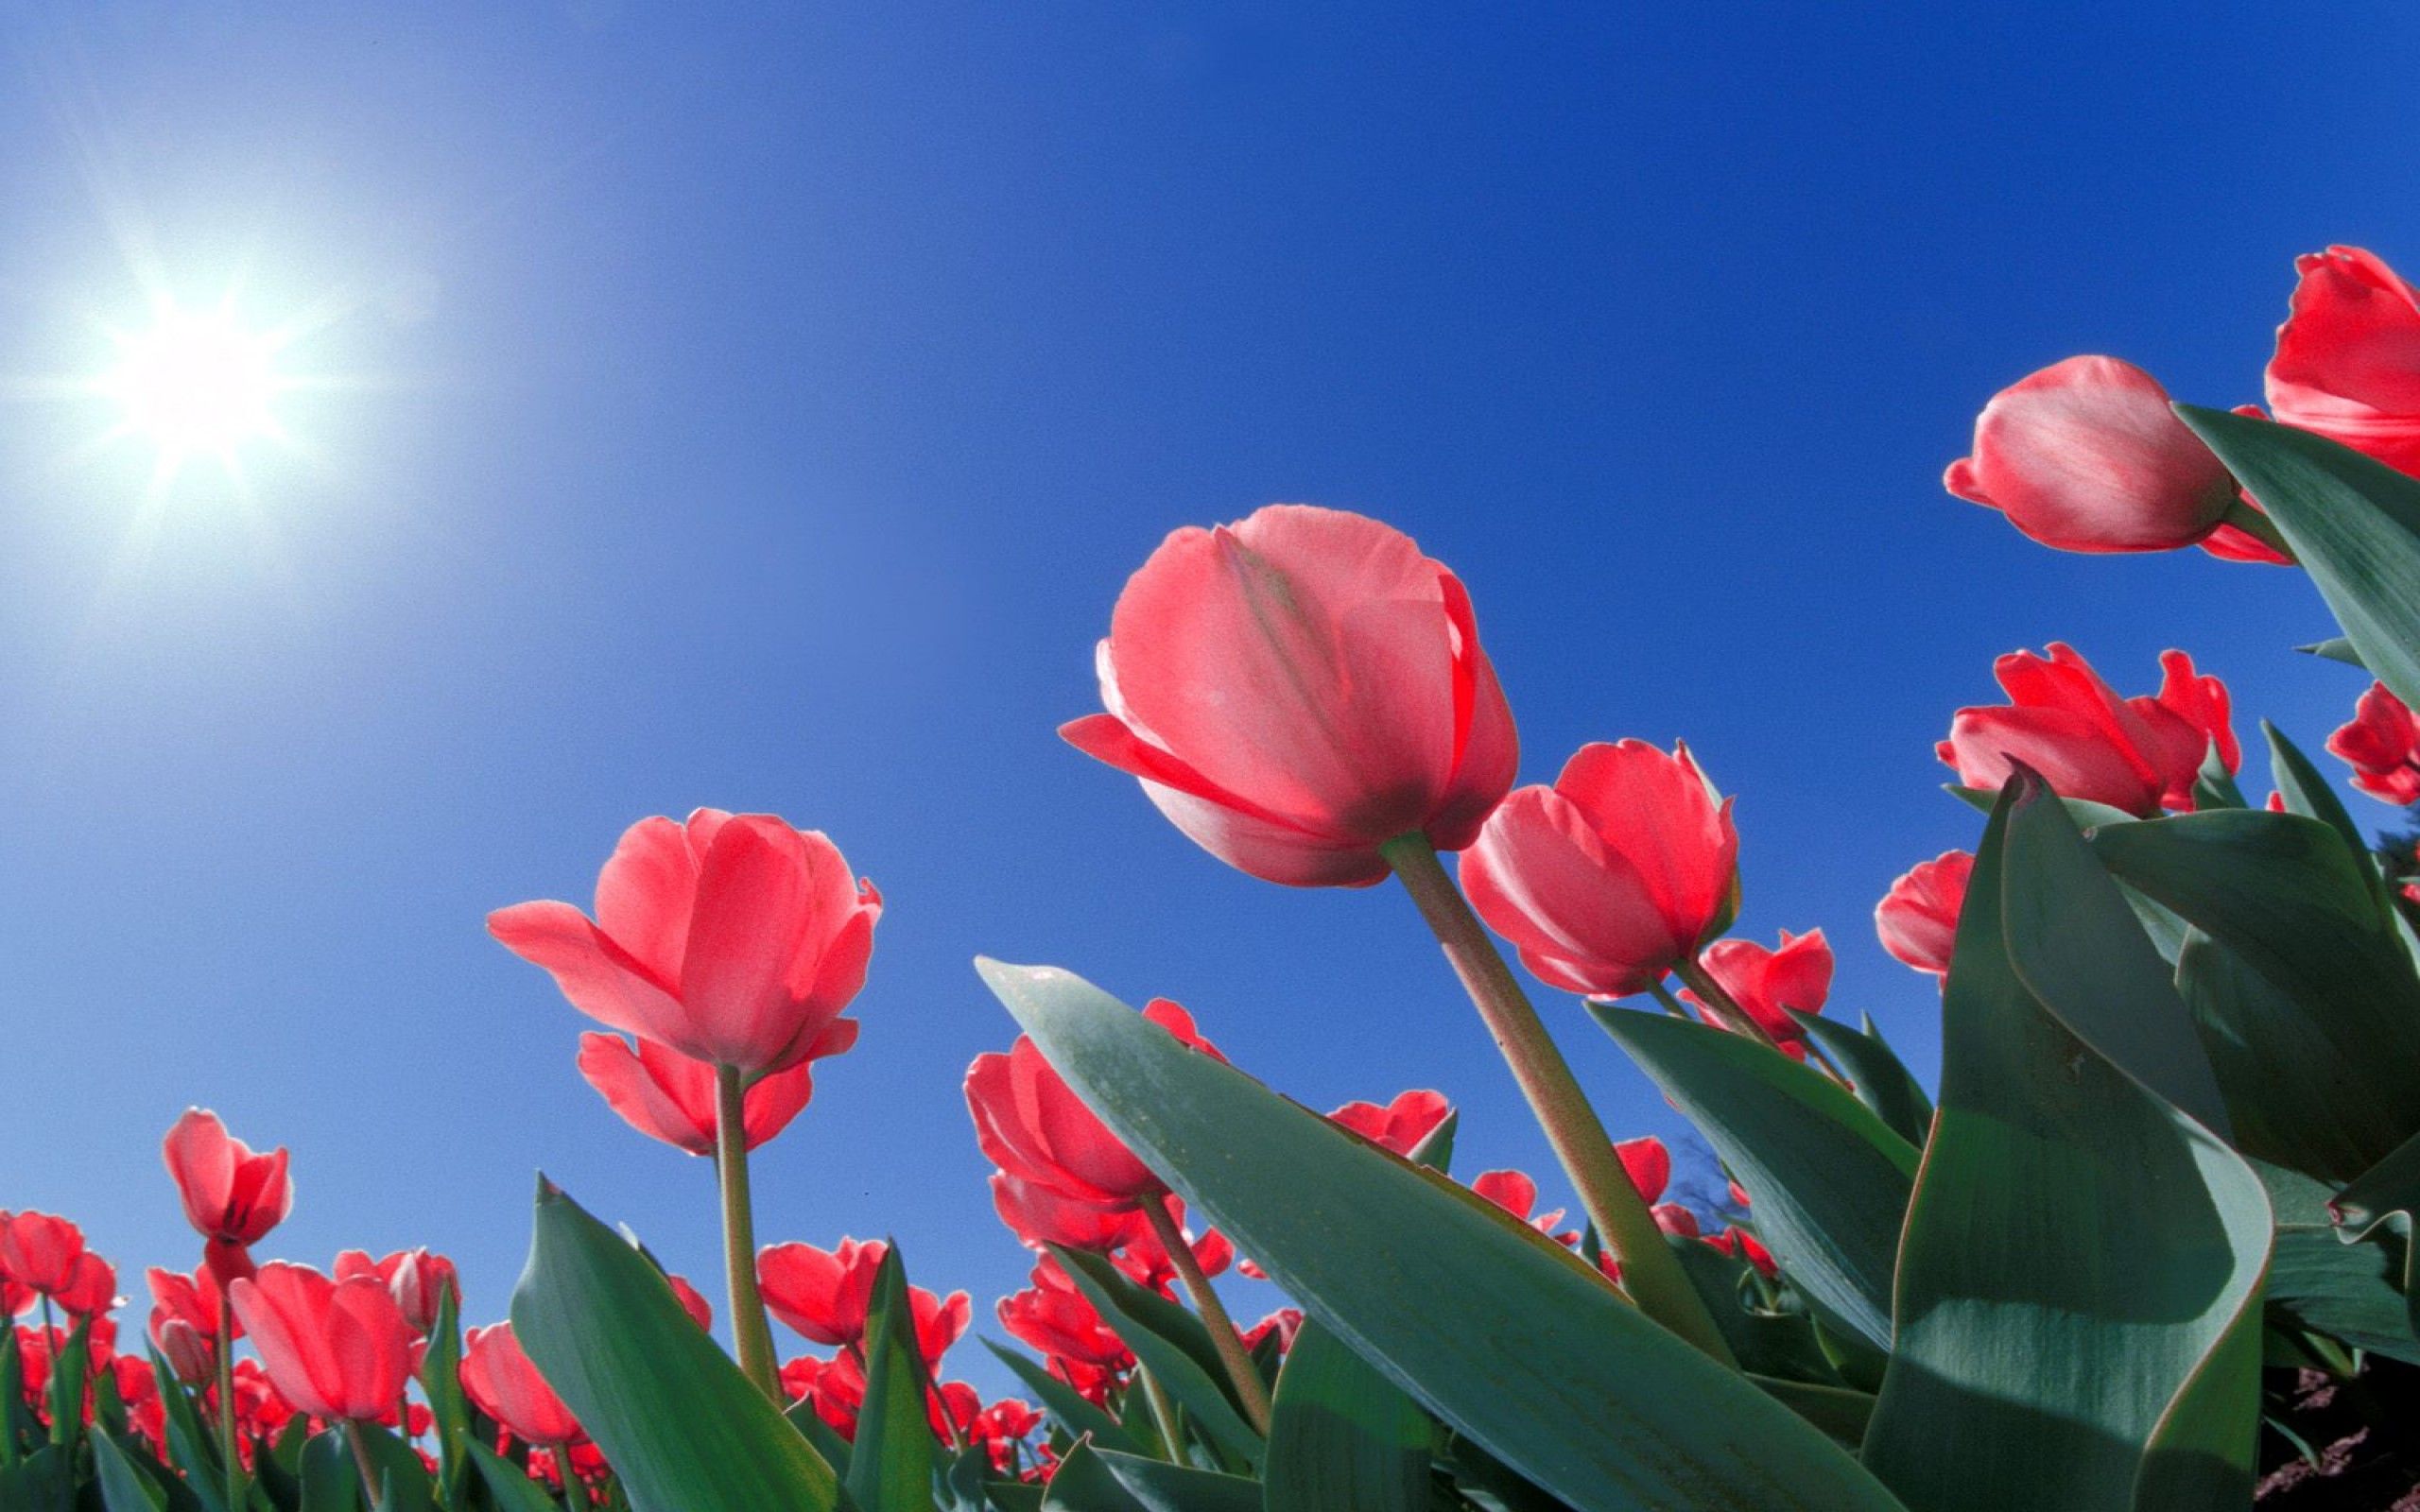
pixel 231 1197
pixel 1039 1216
pixel 1607 879
pixel 2347 364
pixel 1032 1124
pixel 1771 983
pixel 2086 455
pixel 1401 1124
pixel 1918 917
pixel 337 1350
pixel 826 1295
pixel 417 1279
pixel 692 1302
pixel 504 1383
pixel 667 1096
pixel 2137 754
pixel 732 939
pixel 1297 689
pixel 40 1250
pixel 2381 743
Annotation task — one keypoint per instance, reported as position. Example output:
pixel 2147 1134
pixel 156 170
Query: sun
pixel 197 382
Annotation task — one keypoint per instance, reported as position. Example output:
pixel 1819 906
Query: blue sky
pixel 764 412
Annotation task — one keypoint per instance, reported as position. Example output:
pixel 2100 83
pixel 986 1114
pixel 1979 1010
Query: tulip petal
pixel 645 893
pixel 598 977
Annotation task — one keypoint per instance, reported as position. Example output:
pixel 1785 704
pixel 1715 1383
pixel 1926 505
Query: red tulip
pixel 693 1302
pixel 826 1295
pixel 1648 1165
pixel 1610 878
pixel 1056 1318
pixel 337 1350
pixel 41 1252
pixel 231 1197
pixel 1401 1124
pixel 2138 754
pixel 1032 1126
pixel 2086 455
pixel 2381 743
pixel 184 1321
pixel 2348 356
pixel 501 1380
pixel 837 1386
pixel 1517 1193
pixel 999 1427
pixel 417 1279
pixel 1297 689
pixel 1771 985
pixel 1742 1244
pixel 93 1289
pixel 1285 1322
pixel 1147 1264
pixel 667 1096
pixel 1918 917
pixel 1039 1216
pixel 16 1298
pixel 732 939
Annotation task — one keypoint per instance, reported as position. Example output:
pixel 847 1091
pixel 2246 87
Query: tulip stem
pixel 1651 1273
pixel 1672 1005
pixel 357 1434
pixel 1163 1413
pixel 227 1448
pixel 2257 525
pixel 1250 1389
pixel 748 1329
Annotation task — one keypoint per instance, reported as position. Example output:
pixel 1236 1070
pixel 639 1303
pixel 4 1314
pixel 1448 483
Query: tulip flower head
pixel 2347 364
pixel 1771 984
pixel 1918 917
pixel 826 1295
pixel 501 1381
pixel 2139 754
pixel 231 1197
pixel 1297 689
pixel 1032 1124
pixel 2086 455
pixel 667 1096
pixel 732 939
pixel 336 1350
pixel 41 1252
pixel 1057 1319
pixel 2381 743
pixel 1400 1125
pixel 1619 872
pixel 1040 1217
pixel 417 1279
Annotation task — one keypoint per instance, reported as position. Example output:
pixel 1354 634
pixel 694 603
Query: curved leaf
pixel 1830 1178
pixel 1880 1080
pixel 1342 1434
pixel 1500 1332
pixel 1081 1418
pixel 1147 1331
pixel 892 1459
pixel 684 1429
pixel 2078 1290
pixel 1157 1486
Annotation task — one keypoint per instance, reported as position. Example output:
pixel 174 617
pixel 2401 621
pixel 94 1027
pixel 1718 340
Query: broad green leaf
pixel 1079 1418
pixel 2082 810
pixel 123 1489
pixel 2307 792
pixel 2080 952
pixel 1342 1434
pixel 440 1380
pixel 1838 1410
pixel 509 1486
pixel 2354 524
pixel 68 1365
pixel 1159 1486
pixel 1083 1483
pixel 2318 1282
pixel 684 1429
pixel 404 1485
pixel 890 1462
pixel 819 1436
pixel 2079 1285
pixel 1204 1395
pixel 43 1481
pixel 1830 1178
pixel 1881 1080
pixel 191 1446
pixel 2378 1208
pixel 1778 1343
pixel 331 1483
pixel 2293 907
pixel 1495 1328
pixel 17 1423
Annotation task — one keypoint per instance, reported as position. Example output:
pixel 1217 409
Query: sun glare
pixel 197 381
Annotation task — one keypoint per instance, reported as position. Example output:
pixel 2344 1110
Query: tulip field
pixel 2146 1246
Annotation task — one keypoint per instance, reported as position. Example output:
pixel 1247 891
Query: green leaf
pixel 509 1486
pixel 191 1447
pixel 2336 649
pixel 330 1481
pixel 1083 1483
pixel 1495 1327
pixel 43 1481
pixel 2354 524
pixel 2078 1290
pixel 123 1489
pixel 1830 1178
pixel 1159 1486
pixel 440 1380
pixel 891 1463
pixel 821 1435
pixel 1158 1341
pixel 2307 792
pixel 1881 1080
pixel 2319 1283
pixel 684 1429
pixel 403 1482
pixel 1342 1434
pixel 1079 1418
pixel 2294 909
pixel 2378 1207
pixel 68 1365
pixel 1779 1342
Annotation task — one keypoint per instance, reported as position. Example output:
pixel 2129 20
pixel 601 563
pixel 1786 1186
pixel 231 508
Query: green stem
pixel 2242 515
pixel 1672 1005
pixel 226 1353
pixel 1230 1344
pixel 749 1329
pixel 357 1434
pixel 1163 1414
pixel 1651 1273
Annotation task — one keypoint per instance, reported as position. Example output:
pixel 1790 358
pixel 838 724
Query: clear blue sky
pixel 764 412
